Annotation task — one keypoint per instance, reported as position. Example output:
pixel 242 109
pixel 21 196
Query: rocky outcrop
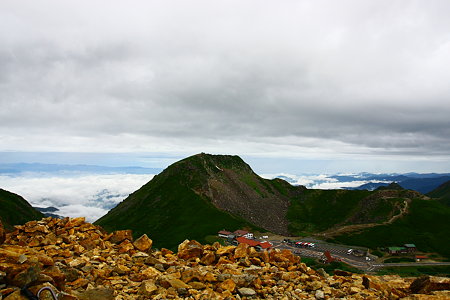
pixel 79 260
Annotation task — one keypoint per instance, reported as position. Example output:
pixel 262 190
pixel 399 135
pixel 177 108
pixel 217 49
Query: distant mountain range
pixel 18 168
pixel 49 212
pixel 422 183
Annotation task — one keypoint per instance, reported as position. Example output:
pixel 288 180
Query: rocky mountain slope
pixel 200 195
pixel 15 210
pixel 78 260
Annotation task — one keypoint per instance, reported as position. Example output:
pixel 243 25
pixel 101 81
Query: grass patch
pixel 318 210
pixel 414 271
pixel 377 253
pixel 329 268
pixel 399 259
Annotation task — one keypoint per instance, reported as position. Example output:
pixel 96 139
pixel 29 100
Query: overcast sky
pixel 347 82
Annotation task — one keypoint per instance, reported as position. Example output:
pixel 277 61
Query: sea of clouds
pixel 93 195
pixel 87 195
pixel 323 181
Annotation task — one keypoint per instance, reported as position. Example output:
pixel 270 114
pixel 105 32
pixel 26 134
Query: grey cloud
pixel 365 75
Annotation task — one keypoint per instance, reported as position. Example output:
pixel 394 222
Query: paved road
pixel 415 264
pixel 340 252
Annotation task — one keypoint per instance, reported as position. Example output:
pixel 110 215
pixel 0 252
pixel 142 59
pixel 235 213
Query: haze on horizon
pixel 312 86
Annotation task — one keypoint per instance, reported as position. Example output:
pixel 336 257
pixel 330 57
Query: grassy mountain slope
pixel 15 210
pixel 426 225
pixel 327 210
pixel 442 193
pixel 200 195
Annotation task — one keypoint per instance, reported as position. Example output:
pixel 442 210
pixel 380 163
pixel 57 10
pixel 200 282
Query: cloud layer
pixel 313 79
pixel 90 196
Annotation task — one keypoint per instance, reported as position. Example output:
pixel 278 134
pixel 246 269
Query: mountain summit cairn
pixel 79 260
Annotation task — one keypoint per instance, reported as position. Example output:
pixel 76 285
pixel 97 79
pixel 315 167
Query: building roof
pixel 410 246
pixel 247 241
pixel 240 232
pixel 396 248
pixel 224 232
pixel 421 256
pixel 265 245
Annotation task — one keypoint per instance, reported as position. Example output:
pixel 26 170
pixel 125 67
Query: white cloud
pixel 90 196
pixel 322 181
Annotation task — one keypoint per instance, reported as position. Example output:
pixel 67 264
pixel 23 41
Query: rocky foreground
pixel 79 260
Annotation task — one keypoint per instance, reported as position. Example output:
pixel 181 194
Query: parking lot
pixel 339 252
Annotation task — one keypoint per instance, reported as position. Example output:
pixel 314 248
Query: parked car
pixel 350 251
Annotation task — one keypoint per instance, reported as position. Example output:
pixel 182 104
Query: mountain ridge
pixel 15 210
pixel 203 188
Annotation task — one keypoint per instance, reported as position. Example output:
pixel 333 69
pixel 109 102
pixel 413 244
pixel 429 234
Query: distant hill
pixel 201 195
pixel 423 183
pixel 49 212
pixel 15 210
pixel 391 186
pixel 442 193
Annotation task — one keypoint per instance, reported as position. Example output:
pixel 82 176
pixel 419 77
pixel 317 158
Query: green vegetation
pixel 442 193
pixel 14 210
pixel 377 253
pixel 329 268
pixel 416 271
pixel 399 260
pixel 318 210
pixel 211 239
pixel 426 225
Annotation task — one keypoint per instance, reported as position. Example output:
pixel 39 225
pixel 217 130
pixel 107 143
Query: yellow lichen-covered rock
pixel 143 243
pixel 190 249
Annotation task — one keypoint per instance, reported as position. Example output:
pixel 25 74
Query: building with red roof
pixel 223 233
pixel 243 233
pixel 252 243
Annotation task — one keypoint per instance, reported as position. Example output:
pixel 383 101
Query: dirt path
pixel 350 228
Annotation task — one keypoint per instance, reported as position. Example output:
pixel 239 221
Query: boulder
pixel 247 292
pixel 121 235
pixel 147 288
pixel 99 293
pixel 190 249
pixel 143 243
pixel 241 251
pixel 427 284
